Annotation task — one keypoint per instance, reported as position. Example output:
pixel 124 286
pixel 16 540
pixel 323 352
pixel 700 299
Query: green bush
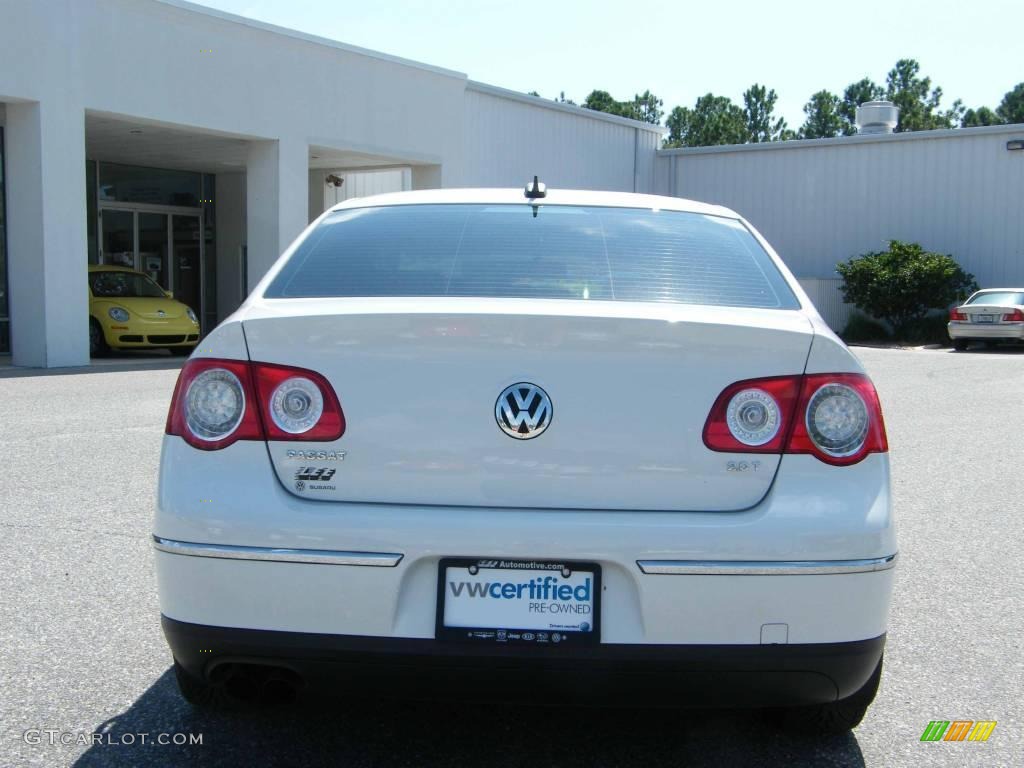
pixel 861 328
pixel 903 284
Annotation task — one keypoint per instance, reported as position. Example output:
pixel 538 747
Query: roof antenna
pixel 535 192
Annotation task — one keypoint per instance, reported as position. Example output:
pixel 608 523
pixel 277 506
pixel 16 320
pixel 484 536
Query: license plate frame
pixel 559 634
pixel 984 318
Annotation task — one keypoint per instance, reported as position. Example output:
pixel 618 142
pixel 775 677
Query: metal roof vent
pixel 877 117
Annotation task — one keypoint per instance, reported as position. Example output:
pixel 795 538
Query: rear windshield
pixel 505 251
pixel 998 297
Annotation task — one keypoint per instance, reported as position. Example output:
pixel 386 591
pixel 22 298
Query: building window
pixel 155 186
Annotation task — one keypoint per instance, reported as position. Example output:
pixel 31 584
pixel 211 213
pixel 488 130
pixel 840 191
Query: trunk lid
pixel 987 313
pixel 630 387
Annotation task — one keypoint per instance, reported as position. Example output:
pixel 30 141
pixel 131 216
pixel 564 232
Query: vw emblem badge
pixel 161 313
pixel 523 411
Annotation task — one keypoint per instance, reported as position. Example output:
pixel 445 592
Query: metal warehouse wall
pixel 510 137
pixel 822 201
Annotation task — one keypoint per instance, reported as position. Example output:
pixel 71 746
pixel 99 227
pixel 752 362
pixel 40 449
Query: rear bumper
pixel 621 674
pixel 986 331
pixel 231 501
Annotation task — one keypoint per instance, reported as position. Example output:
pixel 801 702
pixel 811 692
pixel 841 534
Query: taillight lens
pixel 1017 316
pixel 298 404
pixel 217 402
pixel 752 416
pixel 836 417
pixel 214 404
pixel 957 316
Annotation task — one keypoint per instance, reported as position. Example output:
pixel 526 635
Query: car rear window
pixel 562 252
pixel 998 297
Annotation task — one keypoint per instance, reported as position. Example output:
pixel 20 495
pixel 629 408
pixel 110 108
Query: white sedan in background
pixel 552 445
pixel 992 315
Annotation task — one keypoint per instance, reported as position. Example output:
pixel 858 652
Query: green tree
pixel 918 100
pixel 533 93
pixel 759 106
pixel 647 108
pixel 1011 108
pixel 903 284
pixel 712 120
pixel 980 116
pixel 602 101
pixel 823 118
pixel 856 94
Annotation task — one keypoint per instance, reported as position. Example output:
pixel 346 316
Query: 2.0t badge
pixel 523 411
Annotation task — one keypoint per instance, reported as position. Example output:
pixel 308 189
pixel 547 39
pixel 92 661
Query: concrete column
pixel 46 235
pixel 277 200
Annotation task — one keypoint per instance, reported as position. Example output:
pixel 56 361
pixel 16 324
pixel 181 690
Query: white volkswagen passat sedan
pixel 546 445
pixel 992 315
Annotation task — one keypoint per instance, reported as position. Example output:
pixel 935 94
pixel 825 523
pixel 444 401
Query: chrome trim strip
pixel 272 554
pixel 765 568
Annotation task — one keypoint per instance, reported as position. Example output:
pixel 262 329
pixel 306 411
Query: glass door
pixel 166 246
pixel 118 238
pixel 186 257
pixel 153 248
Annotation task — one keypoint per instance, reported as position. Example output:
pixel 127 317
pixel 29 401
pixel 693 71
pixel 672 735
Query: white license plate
pixel 984 318
pixel 517 602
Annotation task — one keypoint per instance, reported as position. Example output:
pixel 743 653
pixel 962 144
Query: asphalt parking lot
pixel 81 650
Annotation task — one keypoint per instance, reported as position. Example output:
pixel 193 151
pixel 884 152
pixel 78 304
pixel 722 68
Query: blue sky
pixel 680 50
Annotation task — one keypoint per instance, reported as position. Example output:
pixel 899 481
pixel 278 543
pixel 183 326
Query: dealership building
pixel 194 145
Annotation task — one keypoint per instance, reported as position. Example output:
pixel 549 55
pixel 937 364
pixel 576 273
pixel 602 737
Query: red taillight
pixel 272 386
pixel 1017 316
pixel 817 389
pixel 217 402
pixel 718 436
pixel 836 417
pixel 957 316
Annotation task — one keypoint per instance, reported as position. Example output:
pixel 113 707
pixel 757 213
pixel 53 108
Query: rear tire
pixel 97 344
pixel 960 345
pixel 835 718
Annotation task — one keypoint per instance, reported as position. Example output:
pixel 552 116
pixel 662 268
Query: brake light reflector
pixel 835 417
pixel 1017 316
pixel 217 402
pixel 957 316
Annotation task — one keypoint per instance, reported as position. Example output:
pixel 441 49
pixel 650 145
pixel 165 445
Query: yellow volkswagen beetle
pixel 128 310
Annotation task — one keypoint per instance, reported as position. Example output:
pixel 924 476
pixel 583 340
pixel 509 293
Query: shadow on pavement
pixel 478 732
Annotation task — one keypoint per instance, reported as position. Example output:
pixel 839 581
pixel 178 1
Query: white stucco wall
pixel 173 65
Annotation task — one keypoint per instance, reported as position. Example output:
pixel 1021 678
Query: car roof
pixel 998 290
pixel 553 197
